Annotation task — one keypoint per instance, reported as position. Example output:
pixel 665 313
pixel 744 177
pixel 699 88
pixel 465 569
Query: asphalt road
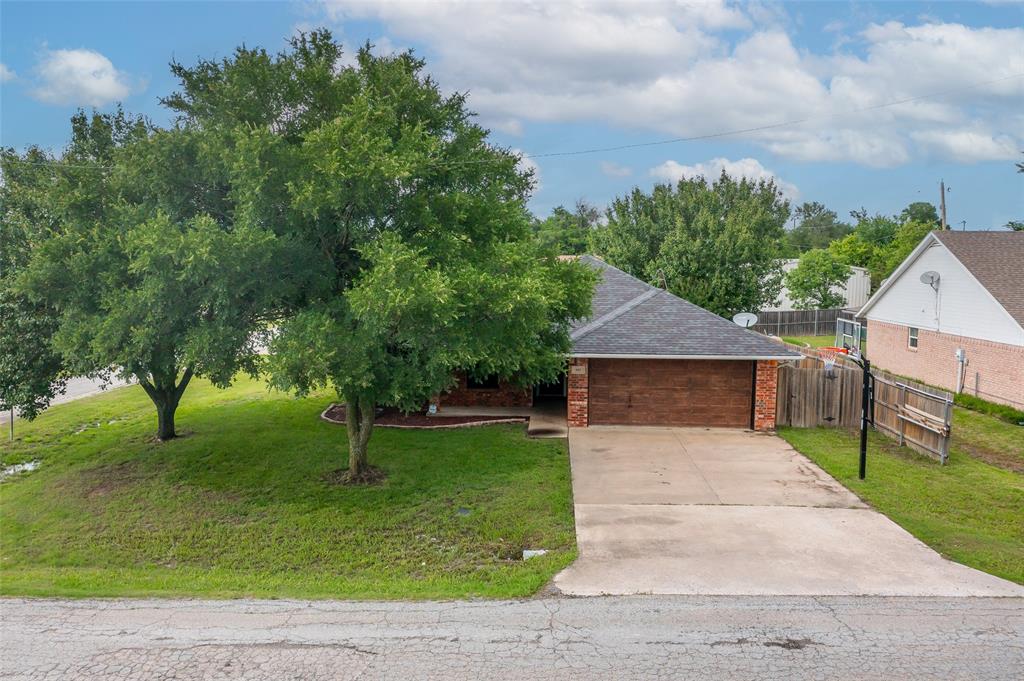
pixel 76 389
pixel 634 637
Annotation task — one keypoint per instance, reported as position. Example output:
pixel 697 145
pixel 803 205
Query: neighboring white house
pixel 855 292
pixel 952 315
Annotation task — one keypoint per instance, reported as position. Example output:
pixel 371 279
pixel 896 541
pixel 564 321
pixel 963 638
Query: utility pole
pixel 942 190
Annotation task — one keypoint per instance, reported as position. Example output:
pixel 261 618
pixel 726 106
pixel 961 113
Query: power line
pixel 674 140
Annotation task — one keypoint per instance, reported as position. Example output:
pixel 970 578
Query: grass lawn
pixel 239 507
pixel 967 510
pixel 989 438
pixel 813 341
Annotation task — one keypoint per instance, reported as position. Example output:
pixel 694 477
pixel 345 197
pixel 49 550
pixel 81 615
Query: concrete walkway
pixel 708 511
pixel 547 419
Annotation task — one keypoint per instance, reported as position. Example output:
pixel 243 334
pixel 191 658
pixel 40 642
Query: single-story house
pixel 952 315
pixel 855 291
pixel 647 357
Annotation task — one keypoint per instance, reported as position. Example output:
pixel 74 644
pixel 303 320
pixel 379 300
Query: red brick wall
pixel 579 392
pixel 995 371
pixel 505 395
pixel 765 392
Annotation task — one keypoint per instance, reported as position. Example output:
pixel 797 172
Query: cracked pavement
pixel 629 637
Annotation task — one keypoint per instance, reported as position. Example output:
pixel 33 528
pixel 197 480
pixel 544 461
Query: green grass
pixel 989 438
pixel 239 505
pixel 1000 411
pixel 967 510
pixel 813 341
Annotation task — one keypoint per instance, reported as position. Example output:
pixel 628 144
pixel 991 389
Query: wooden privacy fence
pixel 800 322
pixel 912 414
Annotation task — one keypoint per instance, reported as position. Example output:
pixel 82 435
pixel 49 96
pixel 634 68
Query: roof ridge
pixel 614 314
pixel 619 270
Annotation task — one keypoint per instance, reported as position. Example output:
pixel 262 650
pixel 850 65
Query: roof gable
pixel 633 318
pixel 991 259
pixel 996 260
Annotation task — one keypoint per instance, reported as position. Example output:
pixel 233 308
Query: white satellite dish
pixel 744 319
pixel 931 278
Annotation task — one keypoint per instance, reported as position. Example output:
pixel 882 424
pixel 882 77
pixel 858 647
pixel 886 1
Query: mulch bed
pixel 393 418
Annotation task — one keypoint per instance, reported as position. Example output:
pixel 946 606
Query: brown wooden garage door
pixel 671 392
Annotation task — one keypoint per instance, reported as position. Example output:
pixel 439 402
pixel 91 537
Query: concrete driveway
pixel 713 511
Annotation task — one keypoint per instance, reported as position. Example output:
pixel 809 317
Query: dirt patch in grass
pixel 103 481
pixel 393 418
pixel 371 476
pixel 993 457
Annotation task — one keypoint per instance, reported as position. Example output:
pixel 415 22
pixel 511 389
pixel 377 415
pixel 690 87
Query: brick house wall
pixel 766 389
pixel 578 400
pixel 505 395
pixel 995 371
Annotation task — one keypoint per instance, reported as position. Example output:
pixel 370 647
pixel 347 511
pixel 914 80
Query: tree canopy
pixel 717 244
pixel 567 232
pixel 146 270
pixel 816 282
pixel 413 226
pixel 817 227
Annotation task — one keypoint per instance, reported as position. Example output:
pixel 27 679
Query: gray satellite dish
pixel 931 278
pixel 744 319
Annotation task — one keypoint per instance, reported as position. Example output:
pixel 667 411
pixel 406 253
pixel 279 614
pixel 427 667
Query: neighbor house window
pixel 485 383
pixel 912 338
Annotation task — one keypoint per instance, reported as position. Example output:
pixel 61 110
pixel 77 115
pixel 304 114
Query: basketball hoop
pixel 829 355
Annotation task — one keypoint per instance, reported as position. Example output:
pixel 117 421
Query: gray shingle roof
pixel 996 259
pixel 633 318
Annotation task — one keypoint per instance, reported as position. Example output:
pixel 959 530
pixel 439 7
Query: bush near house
pixel 240 505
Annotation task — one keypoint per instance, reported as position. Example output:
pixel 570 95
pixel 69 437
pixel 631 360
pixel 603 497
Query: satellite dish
pixel 931 278
pixel 744 319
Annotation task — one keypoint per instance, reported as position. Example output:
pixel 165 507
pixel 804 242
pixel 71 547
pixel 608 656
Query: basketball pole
pixel 865 409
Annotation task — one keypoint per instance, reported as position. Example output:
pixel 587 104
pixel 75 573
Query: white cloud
pixel 529 165
pixel 612 169
pixel 81 77
pixel 6 74
pixel 749 168
pixel 687 69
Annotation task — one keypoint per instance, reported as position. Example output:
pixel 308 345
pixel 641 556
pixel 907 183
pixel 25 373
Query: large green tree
pixel 415 226
pixel 816 282
pixel 567 232
pixel 149 272
pixel 31 371
pixel 817 227
pixel 715 243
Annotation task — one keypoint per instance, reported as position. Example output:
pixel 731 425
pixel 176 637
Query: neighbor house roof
pixel 631 318
pixel 994 259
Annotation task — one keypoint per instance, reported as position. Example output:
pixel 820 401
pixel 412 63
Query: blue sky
pixel 554 77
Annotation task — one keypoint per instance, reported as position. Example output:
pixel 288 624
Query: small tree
pixel 145 267
pixel 812 283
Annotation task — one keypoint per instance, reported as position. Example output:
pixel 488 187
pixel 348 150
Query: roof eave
pixel 904 266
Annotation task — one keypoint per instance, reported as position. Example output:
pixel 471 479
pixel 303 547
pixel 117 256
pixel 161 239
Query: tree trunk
pixel 359 417
pixel 165 419
pixel 165 391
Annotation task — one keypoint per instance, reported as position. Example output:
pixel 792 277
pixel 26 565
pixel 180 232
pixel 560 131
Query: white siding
pixel 961 307
pixel 856 291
